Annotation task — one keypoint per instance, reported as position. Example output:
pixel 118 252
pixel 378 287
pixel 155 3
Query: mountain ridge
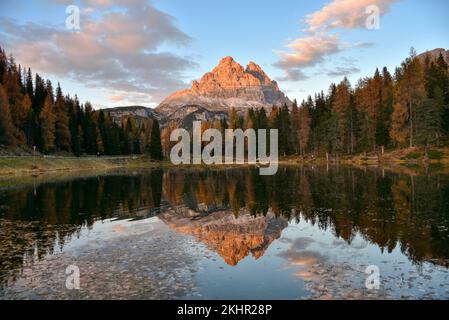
pixel 208 97
pixel 228 85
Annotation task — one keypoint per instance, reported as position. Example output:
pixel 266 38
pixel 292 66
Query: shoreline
pixel 41 166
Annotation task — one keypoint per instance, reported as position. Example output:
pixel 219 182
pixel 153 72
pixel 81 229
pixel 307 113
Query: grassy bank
pixel 22 166
pixel 409 156
pixel 30 166
pixel 11 166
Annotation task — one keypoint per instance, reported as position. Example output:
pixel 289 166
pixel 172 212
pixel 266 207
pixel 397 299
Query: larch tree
pixel 304 121
pixel 47 125
pixel 62 130
pixel 342 108
pixel 409 94
pixel 7 130
pixel 295 127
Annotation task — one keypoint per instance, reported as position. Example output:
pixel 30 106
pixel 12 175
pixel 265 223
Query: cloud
pixel 320 41
pixel 117 48
pixel 347 14
pixel 117 98
pixel 293 75
pixel 312 49
pixel 343 71
pixel 343 67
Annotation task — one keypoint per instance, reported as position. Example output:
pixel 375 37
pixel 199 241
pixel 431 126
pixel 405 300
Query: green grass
pixel 28 165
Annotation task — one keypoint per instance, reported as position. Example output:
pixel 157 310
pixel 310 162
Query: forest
pixel 409 108
pixel 35 115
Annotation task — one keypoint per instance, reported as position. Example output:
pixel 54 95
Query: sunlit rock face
pixel 434 54
pixel 228 85
pixel 233 238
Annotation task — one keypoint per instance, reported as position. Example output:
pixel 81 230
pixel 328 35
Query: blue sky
pixel 172 42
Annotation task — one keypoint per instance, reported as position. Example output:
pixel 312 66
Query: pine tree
pixel 29 84
pixel 3 66
pixel 295 127
pixel 155 145
pixel 62 130
pixel 89 130
pixel 39 94
pixel 429 120
pixel 383 126
pixel 437 83
pixel 283 123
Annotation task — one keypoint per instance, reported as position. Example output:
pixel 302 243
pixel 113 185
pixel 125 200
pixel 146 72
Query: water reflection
pixel 236 213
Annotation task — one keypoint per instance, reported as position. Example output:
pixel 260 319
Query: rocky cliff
pixel 233 238
pixel 228 85
pixel 138 112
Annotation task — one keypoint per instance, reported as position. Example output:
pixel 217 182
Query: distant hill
pixel 434 54
pixel 138 112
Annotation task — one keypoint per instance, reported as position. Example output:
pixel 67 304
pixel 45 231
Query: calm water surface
pixel 305 233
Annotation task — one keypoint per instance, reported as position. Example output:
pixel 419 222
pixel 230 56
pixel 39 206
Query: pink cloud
pixel 319 42
pixel 115 50
pixel 348 14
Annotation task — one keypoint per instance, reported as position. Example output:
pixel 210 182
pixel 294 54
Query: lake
pixel 305 233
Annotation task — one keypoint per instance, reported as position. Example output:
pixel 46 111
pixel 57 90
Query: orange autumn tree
pixel 408 95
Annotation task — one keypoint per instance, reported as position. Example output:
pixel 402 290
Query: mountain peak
pixel 255 70
pixel 227 60
pixel 229 85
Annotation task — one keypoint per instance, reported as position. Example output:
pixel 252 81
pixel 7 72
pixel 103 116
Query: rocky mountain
pixel 434 54
pixel 138 112
pixel 228 85
pixel 233 238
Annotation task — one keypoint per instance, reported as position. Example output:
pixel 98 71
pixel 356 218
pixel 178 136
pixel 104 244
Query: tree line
pixel 35 115
pixel 407 109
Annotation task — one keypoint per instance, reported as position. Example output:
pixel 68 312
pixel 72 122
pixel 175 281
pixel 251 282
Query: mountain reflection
pixel 235 212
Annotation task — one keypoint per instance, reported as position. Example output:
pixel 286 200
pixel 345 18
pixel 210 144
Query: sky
pixel 137 52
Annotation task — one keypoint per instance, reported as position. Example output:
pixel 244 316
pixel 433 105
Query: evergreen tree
pixel 383 126
pixel 429 120
pixel 155 145
pixel 29 84
pixel 62 130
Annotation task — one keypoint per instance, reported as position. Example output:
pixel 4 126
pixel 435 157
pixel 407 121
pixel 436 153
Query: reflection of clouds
pixel 360 245
pixel 302 242
pixel 325 279
pixel 304 258
pixel 307 260
pixel 119 228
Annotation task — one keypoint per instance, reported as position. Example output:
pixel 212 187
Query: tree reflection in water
pixel 235 212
